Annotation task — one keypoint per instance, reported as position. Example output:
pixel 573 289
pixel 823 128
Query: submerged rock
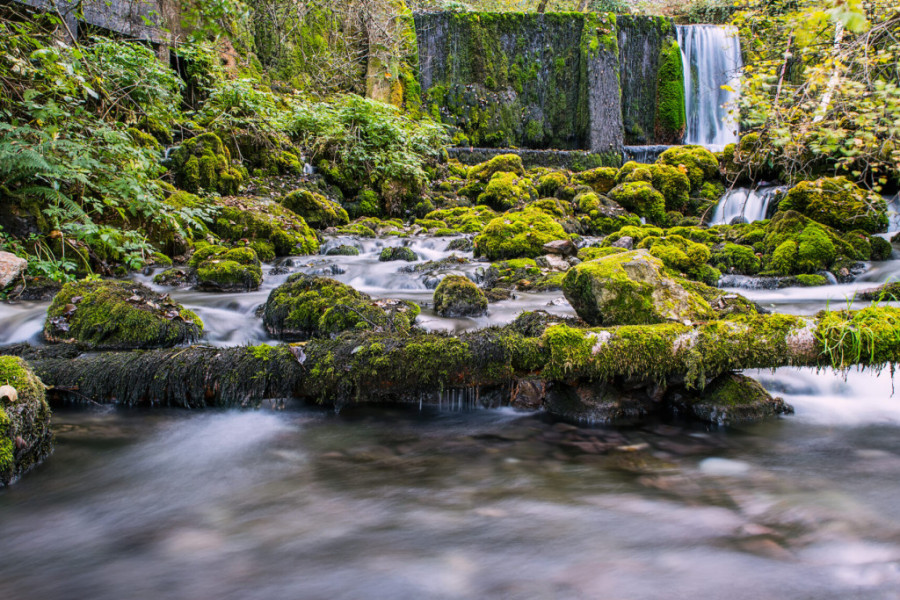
pixel 307 307
pixel 733 399
pixel 594 402
pixel 630 288
pixel 398 253
pixel 25 437
pixel 119 315
pixel 457 296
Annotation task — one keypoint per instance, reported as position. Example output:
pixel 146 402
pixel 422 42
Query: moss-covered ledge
pixel 376 367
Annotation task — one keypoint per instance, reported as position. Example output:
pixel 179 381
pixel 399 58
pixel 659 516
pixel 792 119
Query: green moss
pixel 670 110
pixel 838 203
pixel 811 280
pixel 698 163
pixel 682 255
pixel 25 437
pixel 204 163
pixel 463 219
pixel 551 183
pixel 118 315
pixel 517 235
pixel 594 252
pixel 506 190
pixel 343 250
pixel 642 199
pixel 673 184
pixel 735 258
pixel 504 163
pixel 456 296
pixel 318 211
pixel 307 306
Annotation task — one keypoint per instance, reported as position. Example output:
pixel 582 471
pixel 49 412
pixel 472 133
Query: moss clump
pixel 504 163
pixel 456 296
pixel 506 190
pixel 398 253
pixel 25 437
pixel 318 211
pixel 307 307
pixel 630 288
pixel 673 184
pixel 734 258
pixel 641 198
pixel 204 163
pixel 670 111
pixel 601 179
pixel 595 252
pixel 260 219
pixel 223 270
pixel 118 315
pixel 838 203
pixel 551 183
pixel 698 163
pixel 800 245
pixel 518 235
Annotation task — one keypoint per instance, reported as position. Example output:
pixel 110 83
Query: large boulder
pixel 25 437
pixel 307 306
pixel 266 222
pixel 119 315
pixel 838 203
pixel 631 288
pixel 457 296
pixel 641 198
pixel 318 211
pixel 518 235
pixel 698 163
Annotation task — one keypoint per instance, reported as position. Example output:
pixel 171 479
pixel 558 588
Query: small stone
pixel 11 266
pixel 626 242
pixel 561 248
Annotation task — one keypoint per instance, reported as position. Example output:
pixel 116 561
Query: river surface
pixel 398 502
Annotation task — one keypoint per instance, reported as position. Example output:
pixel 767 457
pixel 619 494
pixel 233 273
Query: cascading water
pixel 712 59
pixel 744 204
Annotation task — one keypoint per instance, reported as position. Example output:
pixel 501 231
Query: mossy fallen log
pixel 377 367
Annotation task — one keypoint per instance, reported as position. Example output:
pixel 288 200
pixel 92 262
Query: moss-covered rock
pixel 343 250
pixel 318 211
pixel 261 219
pixel 204 163
pixel 795 244
pixel 630 288
pixel 25 437
pixel 518 235
pixel 733 399
pixel 683 255
pixel 673 184
pixel 698 163
pixel 552 183
pixel 221 269
pixel 838 203
pixel 734 258
pixel 601 179
pixel 507 190
pixel 641 198
pixel 504 163
pixel 398 253
pixel 119 315
pixel 307 307
pixel 457 296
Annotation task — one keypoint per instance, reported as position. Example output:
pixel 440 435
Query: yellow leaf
pixel 727 88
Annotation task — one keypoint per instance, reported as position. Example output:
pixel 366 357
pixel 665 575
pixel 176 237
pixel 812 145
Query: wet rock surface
pixel 25 436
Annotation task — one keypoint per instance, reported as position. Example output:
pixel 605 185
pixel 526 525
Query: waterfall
pixel 712 58
pixel 745 205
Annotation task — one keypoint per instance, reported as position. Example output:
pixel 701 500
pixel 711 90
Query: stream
pixel 459 502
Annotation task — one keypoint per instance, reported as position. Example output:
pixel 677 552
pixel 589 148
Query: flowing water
pixel 744 204
pixel 458 501
pixel 711 56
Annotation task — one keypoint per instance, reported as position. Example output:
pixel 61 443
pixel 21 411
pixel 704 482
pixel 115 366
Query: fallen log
pixel 378 367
